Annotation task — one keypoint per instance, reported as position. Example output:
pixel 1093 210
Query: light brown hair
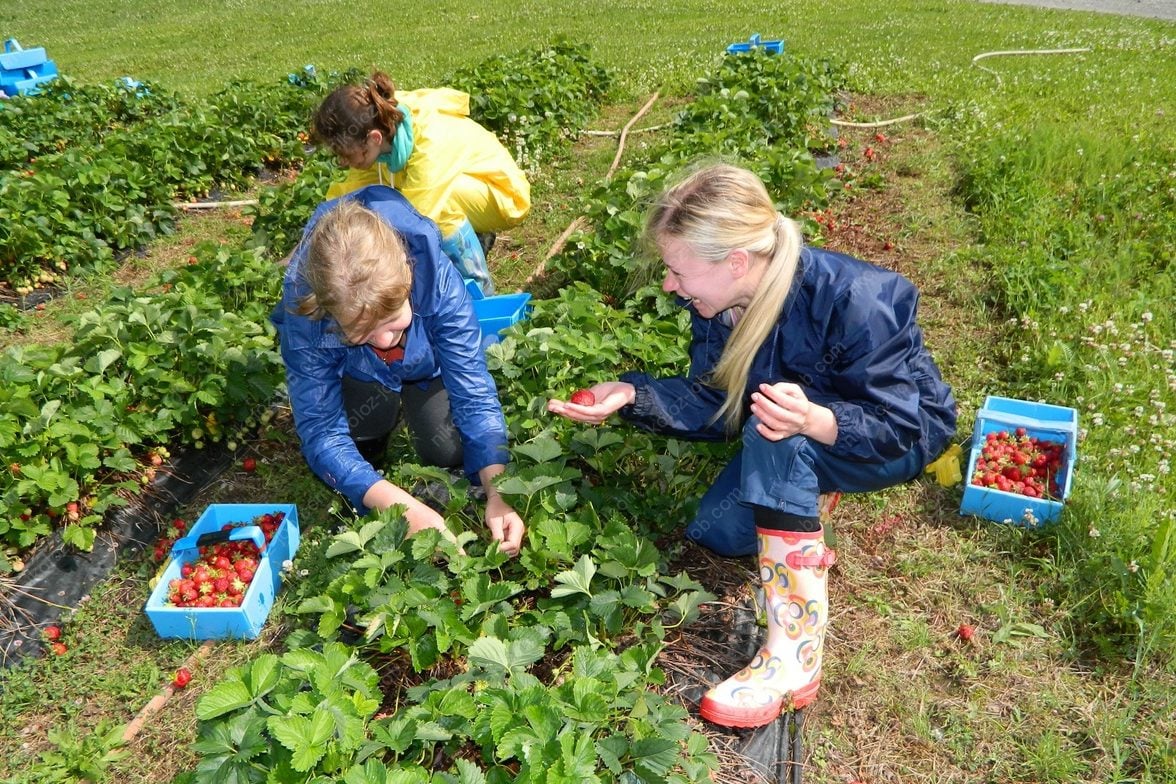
pixel 346 116
pixel 357 269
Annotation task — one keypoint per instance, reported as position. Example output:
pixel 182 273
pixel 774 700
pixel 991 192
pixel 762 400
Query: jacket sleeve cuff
pixel 477 459
pixel 849 436
pixel 641 405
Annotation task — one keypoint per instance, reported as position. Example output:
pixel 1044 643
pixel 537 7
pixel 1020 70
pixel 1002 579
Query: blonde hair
pixel 718 209
pixel 357 269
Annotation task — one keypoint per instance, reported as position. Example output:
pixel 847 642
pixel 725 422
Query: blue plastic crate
pixel 474 290
pixel 497 313
pixel 1043 420
pixel 214 623
pixel 771 47
pixel 22 70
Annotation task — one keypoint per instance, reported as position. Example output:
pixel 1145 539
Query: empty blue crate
pixel 497 313
pixel 771 47
pixel 22 71
pixel 214 623
pixel 1042 420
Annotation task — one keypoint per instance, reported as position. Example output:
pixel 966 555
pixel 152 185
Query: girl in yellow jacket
pixel 424 144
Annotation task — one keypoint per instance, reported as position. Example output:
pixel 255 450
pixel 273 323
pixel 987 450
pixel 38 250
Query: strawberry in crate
pixel 1020 463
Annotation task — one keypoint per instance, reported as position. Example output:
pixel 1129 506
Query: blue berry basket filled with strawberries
pixel 223 576
pixel 1021 465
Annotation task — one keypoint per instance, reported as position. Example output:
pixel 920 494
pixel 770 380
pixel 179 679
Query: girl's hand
pixel 610 396
pixel 505 525
pixel 784 410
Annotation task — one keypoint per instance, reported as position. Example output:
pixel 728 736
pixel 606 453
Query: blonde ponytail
pixel 718 209
pixel 757 323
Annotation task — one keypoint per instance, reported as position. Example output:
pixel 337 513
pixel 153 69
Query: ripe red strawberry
pixel 583 397
pixel 965 632
pixel 249 464
pixel 182 678
pixel 52 633
pixel 59 648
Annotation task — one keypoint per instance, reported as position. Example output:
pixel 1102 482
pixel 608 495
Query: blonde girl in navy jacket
pixel 815 359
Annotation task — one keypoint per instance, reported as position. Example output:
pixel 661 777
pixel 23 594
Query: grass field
pixel 1033 203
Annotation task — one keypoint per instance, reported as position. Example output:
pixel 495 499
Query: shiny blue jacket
pixel 847 335
pixel 444 340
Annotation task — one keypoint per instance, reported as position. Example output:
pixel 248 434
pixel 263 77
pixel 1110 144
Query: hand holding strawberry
pixel 596 404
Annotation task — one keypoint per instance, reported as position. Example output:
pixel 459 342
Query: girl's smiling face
pixel 711 288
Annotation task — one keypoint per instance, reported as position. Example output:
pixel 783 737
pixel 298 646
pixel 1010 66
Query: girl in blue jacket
pixel 816 359
pixel 375 319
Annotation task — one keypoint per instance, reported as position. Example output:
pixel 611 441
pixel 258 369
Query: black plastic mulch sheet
pixel 56 577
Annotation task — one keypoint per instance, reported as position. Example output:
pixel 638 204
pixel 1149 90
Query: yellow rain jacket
pixel 457 169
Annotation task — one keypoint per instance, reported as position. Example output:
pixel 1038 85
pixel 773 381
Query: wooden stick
pixel 579 222
pixel 159 700
pixel 879 124
pixel 212 205
pixel 562 240
pixel 625 132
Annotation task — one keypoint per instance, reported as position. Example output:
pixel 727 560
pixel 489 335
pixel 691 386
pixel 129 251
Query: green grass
pixel 991 198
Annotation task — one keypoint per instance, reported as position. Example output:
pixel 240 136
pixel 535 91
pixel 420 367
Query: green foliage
pixel 76 756
pixel 535 100
pixel 76 202
pixel 282 211
pixel 192 362
pixel 1081 254
pixel 767 112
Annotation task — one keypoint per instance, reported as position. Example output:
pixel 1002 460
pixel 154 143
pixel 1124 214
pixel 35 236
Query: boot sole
pixel 731 716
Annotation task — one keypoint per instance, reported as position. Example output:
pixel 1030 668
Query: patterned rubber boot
pixel 786 673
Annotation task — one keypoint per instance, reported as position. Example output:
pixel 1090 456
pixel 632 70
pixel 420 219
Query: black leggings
pixel 373 411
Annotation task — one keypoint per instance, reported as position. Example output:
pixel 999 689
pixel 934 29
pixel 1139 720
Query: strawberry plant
pixel 767 112
pixel 535 100
pixel 196 358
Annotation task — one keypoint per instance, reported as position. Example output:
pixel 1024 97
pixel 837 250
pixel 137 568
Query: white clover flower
pixel 287 565
pixel 1094 533
pixel 1146 316
pixel 1133 567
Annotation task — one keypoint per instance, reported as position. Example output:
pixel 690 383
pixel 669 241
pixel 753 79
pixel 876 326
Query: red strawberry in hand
pixel 182 678
pixel 583 397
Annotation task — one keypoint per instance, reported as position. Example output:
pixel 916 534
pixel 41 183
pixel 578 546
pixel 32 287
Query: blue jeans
pixel 787 476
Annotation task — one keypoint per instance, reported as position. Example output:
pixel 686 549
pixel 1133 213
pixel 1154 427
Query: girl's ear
pixel 740 261
pixel 376 136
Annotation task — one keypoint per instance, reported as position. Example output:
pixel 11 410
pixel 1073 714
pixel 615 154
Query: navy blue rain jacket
pixel 847 335
pixel 444 340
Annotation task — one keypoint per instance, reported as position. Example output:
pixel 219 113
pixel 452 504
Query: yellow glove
pixel 947 467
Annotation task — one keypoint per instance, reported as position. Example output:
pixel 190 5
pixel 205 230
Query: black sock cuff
pixel 775 520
